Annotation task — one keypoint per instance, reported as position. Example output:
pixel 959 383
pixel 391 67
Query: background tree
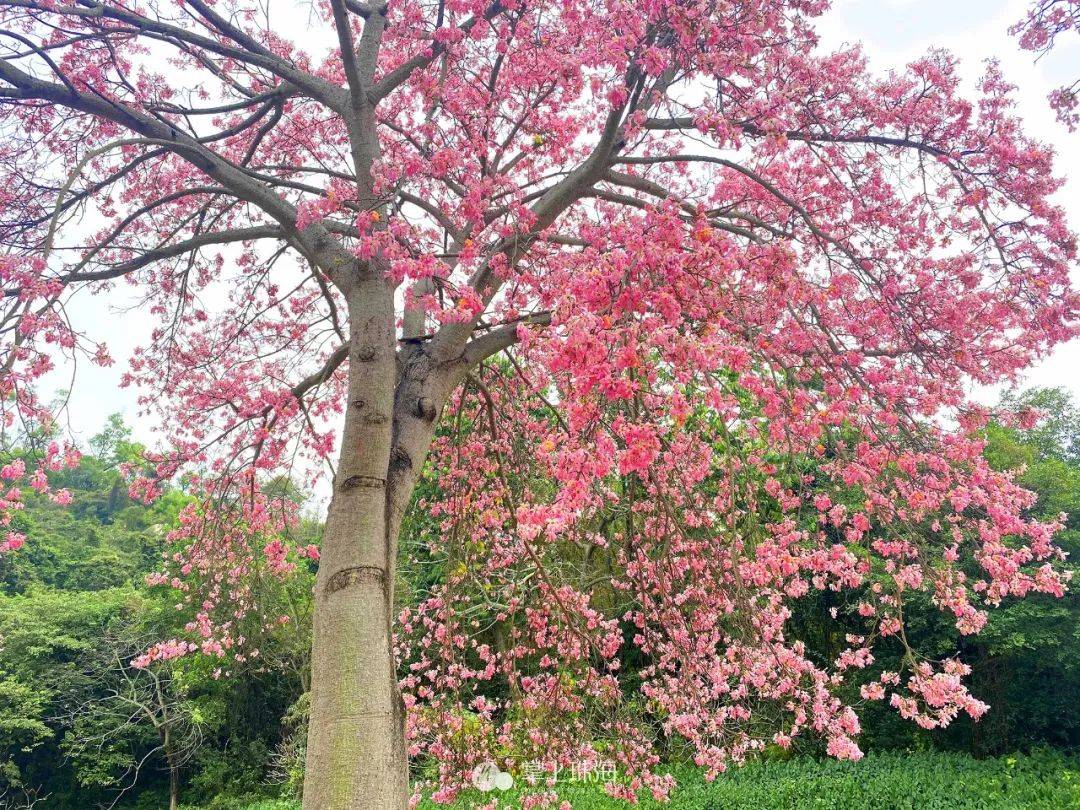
pixel 22 728
pixel 60 618
pixel 675 211
pixel 21 799
pixel 131 719
pixel 48 634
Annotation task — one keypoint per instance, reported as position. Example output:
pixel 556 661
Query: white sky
pixel 892 32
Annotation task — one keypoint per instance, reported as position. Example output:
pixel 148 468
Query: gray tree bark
pixel 356 757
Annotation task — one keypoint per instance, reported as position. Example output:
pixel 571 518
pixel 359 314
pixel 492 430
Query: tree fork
pixel 356 737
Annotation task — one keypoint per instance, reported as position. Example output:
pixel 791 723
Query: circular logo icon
pixel 504 781
pixel 484 774
pixel 488 776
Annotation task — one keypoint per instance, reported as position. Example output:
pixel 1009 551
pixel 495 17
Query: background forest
pixel 81 727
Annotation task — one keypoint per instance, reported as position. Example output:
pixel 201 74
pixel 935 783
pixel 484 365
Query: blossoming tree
pixel 1038 31
pixel 718 290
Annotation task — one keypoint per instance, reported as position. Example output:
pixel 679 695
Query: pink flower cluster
pixel 1038 31
pixel 220 561
pixel 14 474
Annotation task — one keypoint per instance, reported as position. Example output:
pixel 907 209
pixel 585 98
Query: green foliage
pixel 231 775
pixel 22 726
pixel 1058 433
pixel 46 635
pixel 892 781
pixel 291 754
pixel 78 586
pixel 103 539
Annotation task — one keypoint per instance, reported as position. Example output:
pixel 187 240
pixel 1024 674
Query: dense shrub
pixel 888 781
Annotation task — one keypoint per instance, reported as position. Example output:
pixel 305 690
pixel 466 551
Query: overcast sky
pixel 892 33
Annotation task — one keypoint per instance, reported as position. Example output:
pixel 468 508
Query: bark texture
pixel 356 751
pixel 356 758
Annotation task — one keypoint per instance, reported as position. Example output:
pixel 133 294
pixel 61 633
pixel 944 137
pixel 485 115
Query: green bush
pixel 887 781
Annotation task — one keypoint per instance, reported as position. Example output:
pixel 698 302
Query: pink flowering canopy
pixel 720 293
pixel 1038 31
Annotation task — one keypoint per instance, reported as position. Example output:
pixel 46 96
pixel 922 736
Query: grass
pixel 885 781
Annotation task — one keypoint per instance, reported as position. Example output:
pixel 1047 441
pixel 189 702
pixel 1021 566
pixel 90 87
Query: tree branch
pixel 251 53
pixel 314 241
pixel 480 348
pixel 399 75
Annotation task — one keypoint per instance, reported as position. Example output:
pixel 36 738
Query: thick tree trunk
pixel 356 757
pixel 356 747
